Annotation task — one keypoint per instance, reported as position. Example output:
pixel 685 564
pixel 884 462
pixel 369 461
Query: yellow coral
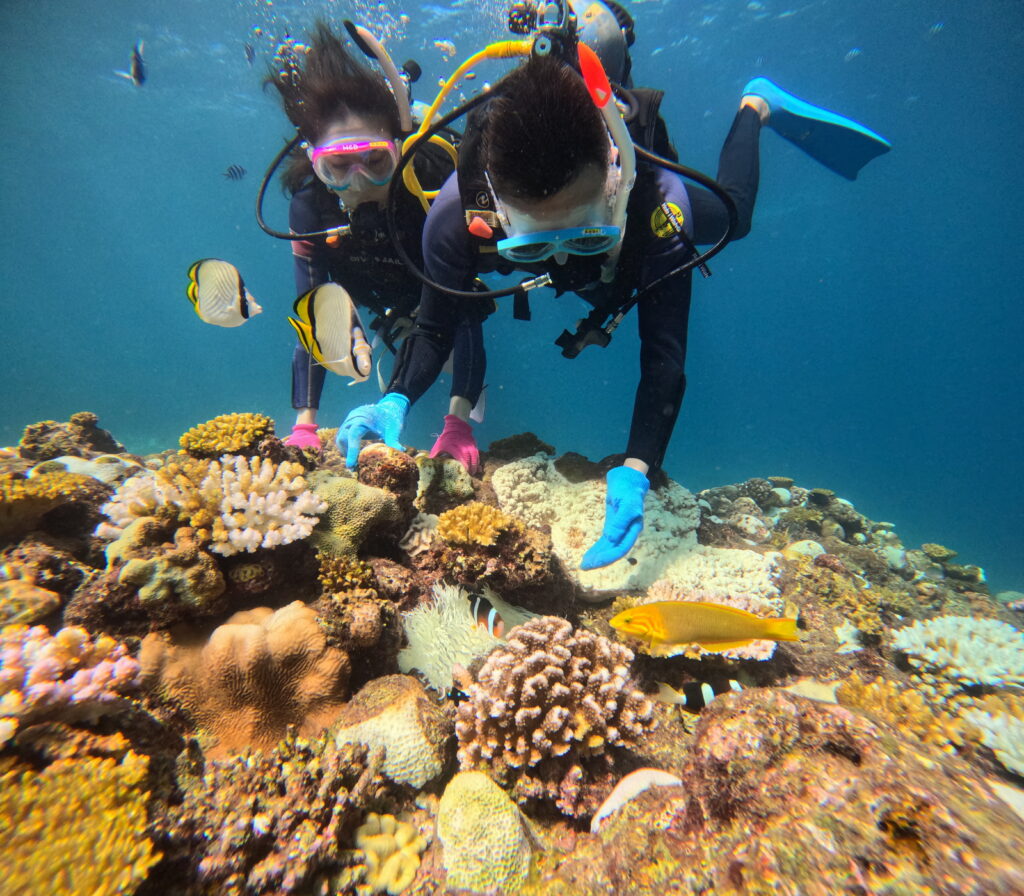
pixel 78 827
pixel 24 501
pixel 340 574
pixel 906 710
pixel 475 523
pixel 391 850
pixel 227 434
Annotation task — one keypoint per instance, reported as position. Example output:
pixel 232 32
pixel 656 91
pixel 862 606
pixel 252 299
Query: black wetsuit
pixel 452 256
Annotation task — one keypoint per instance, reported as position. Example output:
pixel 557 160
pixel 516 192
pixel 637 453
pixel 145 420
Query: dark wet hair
pixel 322 85
pixel 542 130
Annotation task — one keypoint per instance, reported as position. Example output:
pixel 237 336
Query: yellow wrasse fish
pixel 668 623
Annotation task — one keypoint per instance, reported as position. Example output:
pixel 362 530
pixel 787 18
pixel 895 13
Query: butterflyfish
pixel 329 328
pixel 218 294
pixel 695 695
pixel 667 624
pixel 136 67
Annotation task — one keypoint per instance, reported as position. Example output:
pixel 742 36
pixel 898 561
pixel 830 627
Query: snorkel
pixel 372 48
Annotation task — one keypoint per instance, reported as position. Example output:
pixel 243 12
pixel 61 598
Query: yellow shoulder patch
pixel 661 226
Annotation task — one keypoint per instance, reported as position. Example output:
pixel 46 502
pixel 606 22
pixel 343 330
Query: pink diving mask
pixel 339 162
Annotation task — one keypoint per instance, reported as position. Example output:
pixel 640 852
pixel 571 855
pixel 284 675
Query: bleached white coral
pixel 1001 733
pixel 965 650
pixel 239 504
pixel 444 633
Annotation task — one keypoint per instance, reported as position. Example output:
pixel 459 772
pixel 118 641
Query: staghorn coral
pixel 475 524
pixel 22 600
pixel 236 504
pixel 904 709
pixel 79 437
pixel 268 824
pixel 67 676
pixel 486 841
pixel 964 650
pixel 391 852
pixel 550 711
pixel 227 434
pixel 258 673
pixel 23 502
pixel 1000 722
pixel 79 826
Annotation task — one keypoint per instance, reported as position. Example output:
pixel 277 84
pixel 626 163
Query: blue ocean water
pixel 866 337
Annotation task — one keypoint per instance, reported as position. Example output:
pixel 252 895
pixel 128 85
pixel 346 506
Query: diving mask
pixel 338 163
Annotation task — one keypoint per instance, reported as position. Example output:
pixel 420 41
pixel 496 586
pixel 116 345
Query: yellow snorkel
pixel 505 49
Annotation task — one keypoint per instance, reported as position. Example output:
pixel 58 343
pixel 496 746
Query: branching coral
pixel 262 824
pixel 23 502
pixel 67 676
pixel 964 650
pixel 79 826
pixel 237 503
pixel 227 434
pixel 475 523
pixel 391 852
pixel 260 672
pixel 550 711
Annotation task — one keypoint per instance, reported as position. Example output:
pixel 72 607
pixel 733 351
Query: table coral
pixel 550 711
pixel 235 503
pixel 227 434
pixel 964 650
pixel 79 437
pixel 79 826
pixel 487 847
pixel 68 676
pixel 269 823
pixel 258 673
pixel 23 502
pixel 391 852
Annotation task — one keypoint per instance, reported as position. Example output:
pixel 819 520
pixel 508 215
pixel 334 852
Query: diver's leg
pixel 739 173
pixel 307 386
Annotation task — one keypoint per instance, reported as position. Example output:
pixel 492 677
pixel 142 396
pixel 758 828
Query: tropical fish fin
pixel 718 646
pixel 782 630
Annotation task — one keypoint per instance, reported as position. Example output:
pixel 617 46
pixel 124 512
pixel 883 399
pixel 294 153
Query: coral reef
pixel 260 672
pixel 24 502
pixel 443 633
pixel 79 437
pixel 22 600
pixel 107 468
pixel 396 713
pixel 391 470
pixel 68 676
pixel 964 650
pixel 355 515
pixel 475 524
pixel 227 434
pixel 443 483
pixel 237 503
pixel 550 711
pixel 486 841
pixel 79 826
pixel 391 852
pixel 629 787
pixel 270 823
pixel 1000 721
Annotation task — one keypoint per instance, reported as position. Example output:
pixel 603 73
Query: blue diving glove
pixel 623 517
pixel 385 418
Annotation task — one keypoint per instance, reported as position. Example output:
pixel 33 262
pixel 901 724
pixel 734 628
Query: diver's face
pixel 360 190
pixel 581 203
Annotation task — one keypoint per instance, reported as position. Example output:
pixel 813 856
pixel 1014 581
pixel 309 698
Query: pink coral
pixel 62 677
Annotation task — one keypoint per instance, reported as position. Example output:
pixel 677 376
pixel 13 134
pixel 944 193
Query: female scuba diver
pixel 349 120
pixel 545 184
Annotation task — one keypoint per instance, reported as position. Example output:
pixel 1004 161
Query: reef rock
pixel 395 712
pixel 79 437
pixel 788 795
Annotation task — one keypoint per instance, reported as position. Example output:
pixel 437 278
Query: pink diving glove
pixel 304 436
pixel 456 440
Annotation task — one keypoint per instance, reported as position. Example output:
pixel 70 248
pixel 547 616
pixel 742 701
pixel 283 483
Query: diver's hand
pixel 456 440
pixel 623 517
pixel 385 418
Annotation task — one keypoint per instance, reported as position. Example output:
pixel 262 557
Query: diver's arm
pixel 449 258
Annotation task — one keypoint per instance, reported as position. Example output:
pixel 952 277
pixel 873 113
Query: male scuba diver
pixel 350 120
pixel 549 182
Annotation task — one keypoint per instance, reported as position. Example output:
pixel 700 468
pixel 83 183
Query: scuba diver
pixel 552 181
pixel 350 121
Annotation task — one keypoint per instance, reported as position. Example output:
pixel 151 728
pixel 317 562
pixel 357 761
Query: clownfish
pixel 488 617
pixel 695 695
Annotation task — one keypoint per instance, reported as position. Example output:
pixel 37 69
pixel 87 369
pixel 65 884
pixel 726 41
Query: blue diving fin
pixel 839 143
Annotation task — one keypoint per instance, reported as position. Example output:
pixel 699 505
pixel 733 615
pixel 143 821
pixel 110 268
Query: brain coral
pixel 227 434
pixel 79 826
pixel 237 503
pixel 391 852
pixel 258 673
pixel 550 711
pixel 355 514
pixel 964 650
pixel 484 835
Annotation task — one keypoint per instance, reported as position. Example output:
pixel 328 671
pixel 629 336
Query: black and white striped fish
pixel 235 172
pixel 695 695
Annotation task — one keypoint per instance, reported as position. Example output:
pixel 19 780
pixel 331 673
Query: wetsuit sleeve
pixel 450 259
pixel 310 266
